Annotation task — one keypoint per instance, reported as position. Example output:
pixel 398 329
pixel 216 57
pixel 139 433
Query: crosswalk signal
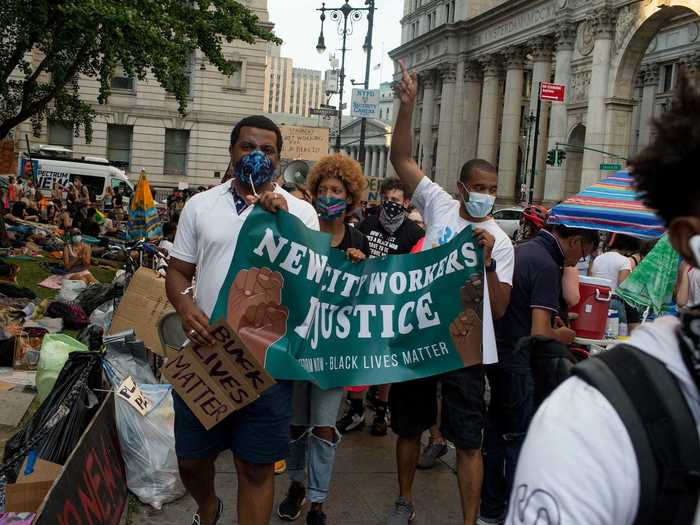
pixel 551 157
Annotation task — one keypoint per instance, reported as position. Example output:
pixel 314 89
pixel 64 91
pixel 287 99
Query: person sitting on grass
pixel 77 258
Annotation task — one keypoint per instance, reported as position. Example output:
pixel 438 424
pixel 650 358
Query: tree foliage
pixel 46 44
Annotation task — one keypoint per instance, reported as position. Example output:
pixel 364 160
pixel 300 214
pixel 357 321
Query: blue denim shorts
pixel 257 433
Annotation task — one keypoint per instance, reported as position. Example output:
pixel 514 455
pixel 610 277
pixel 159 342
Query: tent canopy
pixel 613 205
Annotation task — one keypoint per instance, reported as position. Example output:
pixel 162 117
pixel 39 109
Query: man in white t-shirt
pixel 258 434
pixel 578 465
pixel 413 403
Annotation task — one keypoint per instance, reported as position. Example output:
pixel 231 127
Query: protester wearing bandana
pixel 258 434
pixel 578 463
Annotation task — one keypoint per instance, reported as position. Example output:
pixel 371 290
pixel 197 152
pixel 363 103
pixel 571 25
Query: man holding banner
pixel 413 403
pixel 206 239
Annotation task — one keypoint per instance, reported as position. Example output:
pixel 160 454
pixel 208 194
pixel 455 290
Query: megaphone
pixel 296 172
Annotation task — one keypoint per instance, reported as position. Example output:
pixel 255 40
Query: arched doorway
pixel 574 161
pixel 646 19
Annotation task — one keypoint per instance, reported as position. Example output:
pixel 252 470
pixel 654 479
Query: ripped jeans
pixel 313 407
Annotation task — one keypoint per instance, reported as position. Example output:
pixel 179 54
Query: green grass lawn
pixel 32 273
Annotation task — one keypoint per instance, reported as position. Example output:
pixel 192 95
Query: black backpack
pixel 664 435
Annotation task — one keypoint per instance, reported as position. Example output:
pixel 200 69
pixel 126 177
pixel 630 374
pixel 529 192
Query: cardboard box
pixel 27 493
pixel 216 380
pixel 142 306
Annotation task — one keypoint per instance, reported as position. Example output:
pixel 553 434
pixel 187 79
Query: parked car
pixel 508 219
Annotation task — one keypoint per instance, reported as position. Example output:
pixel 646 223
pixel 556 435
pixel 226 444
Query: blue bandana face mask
pixel 254 170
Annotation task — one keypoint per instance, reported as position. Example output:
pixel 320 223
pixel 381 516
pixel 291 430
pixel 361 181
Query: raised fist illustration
pixel 262 325
pixel 466 328
pixel 251 288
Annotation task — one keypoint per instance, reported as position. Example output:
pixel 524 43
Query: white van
pixel 51 164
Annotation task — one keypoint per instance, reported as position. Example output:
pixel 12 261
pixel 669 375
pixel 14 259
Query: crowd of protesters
pixel 532 280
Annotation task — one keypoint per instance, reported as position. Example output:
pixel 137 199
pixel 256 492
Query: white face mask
pixel 479 205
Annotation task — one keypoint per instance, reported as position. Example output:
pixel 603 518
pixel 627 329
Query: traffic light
pixel 561 157
pixel 551 157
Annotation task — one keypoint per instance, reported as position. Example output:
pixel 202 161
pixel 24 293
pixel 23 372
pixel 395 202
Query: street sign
pixel 552 92
pixel 323 112
pixel 365 103
pixel 610 167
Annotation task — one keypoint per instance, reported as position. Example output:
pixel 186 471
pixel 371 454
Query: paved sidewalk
pixel 363 489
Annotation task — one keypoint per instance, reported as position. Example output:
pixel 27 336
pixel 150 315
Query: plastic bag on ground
pixel 98 294
pixel 55 349
pixel 102 315
pixel 70 291
pixel 55 429
pixel 148 447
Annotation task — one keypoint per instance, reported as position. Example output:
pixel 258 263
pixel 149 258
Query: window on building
pixel 235 81
pixel 119 144
pixel 121 79
pixel 452 12
pixel 669 82
pixel 447 12
pixel 176 143
pixel 60 134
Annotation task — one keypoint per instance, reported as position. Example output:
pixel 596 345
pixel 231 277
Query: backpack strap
pixel 662 429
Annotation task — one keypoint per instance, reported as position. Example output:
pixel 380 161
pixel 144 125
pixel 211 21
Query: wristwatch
pixel 491 267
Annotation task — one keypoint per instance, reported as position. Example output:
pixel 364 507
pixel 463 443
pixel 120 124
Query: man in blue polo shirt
pixel 534 309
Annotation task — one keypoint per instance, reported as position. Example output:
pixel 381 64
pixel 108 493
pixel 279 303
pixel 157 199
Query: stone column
pixel 375 170
pixel 390 172
pixel 449 76
pixel 382 162
pixel 470 113
pixel 368 161
pixel 510 128
pixel 650 75
pixel 542 48
pixel 603 27
pixel 426 121
pixel 565 35
pixel 488 118
pixel 457 133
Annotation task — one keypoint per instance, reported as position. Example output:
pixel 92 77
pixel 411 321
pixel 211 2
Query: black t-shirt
pixel 353 239
pixel 91 228
pixel 382 243
pixel 536 284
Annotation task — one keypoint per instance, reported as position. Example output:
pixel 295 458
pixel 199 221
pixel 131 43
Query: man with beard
pixel 211 221
pixel 389 232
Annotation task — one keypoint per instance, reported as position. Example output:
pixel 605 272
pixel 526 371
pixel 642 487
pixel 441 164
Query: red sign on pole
pixel 552 92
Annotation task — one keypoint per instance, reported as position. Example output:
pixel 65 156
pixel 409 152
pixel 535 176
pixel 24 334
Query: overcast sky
pixel 297 23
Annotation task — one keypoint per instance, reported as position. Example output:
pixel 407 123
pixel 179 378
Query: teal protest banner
pixel 308 313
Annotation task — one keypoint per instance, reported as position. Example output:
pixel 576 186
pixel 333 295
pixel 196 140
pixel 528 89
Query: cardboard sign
pixel 92 486
pixel 217 380
pixel 304 142
pixel 144 303
pixel 131 393
pixel 552 92
pixel 27 493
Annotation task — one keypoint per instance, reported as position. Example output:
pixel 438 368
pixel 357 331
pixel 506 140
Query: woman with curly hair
pixel 335 184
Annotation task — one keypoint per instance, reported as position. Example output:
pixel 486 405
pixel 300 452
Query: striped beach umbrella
pixel 144 222
pixel 612 205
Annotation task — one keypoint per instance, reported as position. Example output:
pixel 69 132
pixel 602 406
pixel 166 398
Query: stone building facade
pixel 140 125
pixel 480 63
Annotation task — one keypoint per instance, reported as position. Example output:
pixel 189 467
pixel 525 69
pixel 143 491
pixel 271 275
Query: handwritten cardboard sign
pixel 217 380
pixel 131 393
pixel 304 143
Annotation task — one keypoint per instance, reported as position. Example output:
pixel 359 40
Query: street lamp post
pixel 341 15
